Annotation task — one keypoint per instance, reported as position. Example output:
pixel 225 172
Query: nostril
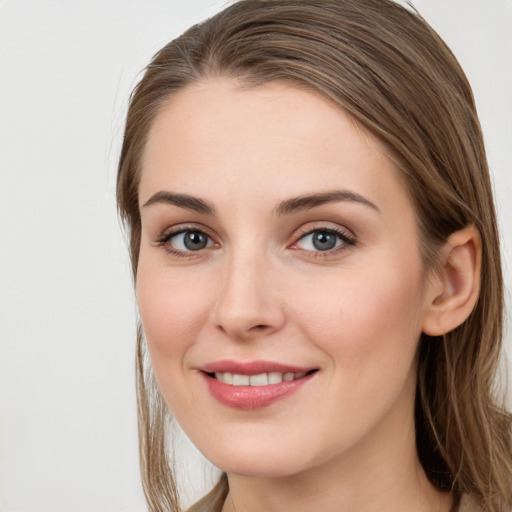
pixel 259 328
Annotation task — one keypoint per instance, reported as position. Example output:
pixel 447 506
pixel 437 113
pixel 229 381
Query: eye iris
pixel 195 241
pixel 323 240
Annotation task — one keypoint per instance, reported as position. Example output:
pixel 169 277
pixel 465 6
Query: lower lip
pixel 253 397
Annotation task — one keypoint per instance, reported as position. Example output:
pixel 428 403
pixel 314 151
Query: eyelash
pixel 343 237
pixel 345 240
pixel 164 240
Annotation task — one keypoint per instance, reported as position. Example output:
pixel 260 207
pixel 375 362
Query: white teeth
pixel 275 378
pixel 258 380
pixel 240 380
pixel 263 379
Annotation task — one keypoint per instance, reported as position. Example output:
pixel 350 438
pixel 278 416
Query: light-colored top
pixel 468 505
pixel 214 501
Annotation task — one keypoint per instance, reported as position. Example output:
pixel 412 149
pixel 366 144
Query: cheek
pixel 368 322
pixel 172 312
pixel 172 315
pixel 370 334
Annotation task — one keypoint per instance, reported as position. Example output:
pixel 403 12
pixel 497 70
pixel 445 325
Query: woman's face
pixel 280 282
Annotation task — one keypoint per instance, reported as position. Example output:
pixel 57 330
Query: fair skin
pixel 231 269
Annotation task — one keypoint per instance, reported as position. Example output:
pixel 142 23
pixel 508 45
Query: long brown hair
pixel 385 67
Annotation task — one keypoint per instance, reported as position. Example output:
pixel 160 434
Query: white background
pixel 67 402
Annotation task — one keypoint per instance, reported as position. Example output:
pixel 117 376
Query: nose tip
pixel 239 328
pixel 247 305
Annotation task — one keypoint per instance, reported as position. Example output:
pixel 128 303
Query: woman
pixel 317 265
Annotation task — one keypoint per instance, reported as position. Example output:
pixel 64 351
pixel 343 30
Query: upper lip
pixel 252 367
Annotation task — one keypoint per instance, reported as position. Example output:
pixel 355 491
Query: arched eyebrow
pixel 288 206
pixel 308 201
pixel 182 201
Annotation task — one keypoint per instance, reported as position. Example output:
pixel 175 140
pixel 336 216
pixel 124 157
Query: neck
pixel 377 491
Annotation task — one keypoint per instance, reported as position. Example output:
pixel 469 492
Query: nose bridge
pixel 247 301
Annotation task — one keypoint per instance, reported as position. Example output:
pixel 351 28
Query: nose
pixel 248 305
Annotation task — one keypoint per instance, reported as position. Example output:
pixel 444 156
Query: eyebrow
pixel 286 207
pixel 181 200
pixel 306 202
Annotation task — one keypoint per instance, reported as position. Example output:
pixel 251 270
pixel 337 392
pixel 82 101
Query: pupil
pixel 195 241
pixel 323 241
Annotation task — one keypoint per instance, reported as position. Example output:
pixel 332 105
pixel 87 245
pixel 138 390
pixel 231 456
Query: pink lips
pixel 252 397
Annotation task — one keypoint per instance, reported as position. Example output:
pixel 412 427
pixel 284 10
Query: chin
pixel 258 459
pixel 260 467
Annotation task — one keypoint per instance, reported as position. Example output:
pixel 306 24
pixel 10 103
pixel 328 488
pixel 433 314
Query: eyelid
pixel 166 236
pixel 345 235
pixel 168 232
pixel 347 238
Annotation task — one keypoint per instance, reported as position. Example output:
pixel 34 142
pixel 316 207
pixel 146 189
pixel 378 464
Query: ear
pixel 453 291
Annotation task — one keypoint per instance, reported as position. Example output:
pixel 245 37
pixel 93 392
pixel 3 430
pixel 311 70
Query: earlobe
pixel 453 291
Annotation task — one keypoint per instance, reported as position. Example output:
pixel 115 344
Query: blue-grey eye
pixel 323 240
pixel 194 241
pixel 190 241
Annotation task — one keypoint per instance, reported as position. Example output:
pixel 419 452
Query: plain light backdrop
pixel 68 438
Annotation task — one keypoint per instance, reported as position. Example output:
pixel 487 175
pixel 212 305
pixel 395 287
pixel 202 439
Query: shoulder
pixel 467 504
pixel 214 500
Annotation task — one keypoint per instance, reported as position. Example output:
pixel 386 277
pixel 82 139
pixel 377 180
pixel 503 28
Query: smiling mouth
pixel 253 388
pixel 259 380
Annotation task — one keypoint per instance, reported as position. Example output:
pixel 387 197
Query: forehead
pixel 218 137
